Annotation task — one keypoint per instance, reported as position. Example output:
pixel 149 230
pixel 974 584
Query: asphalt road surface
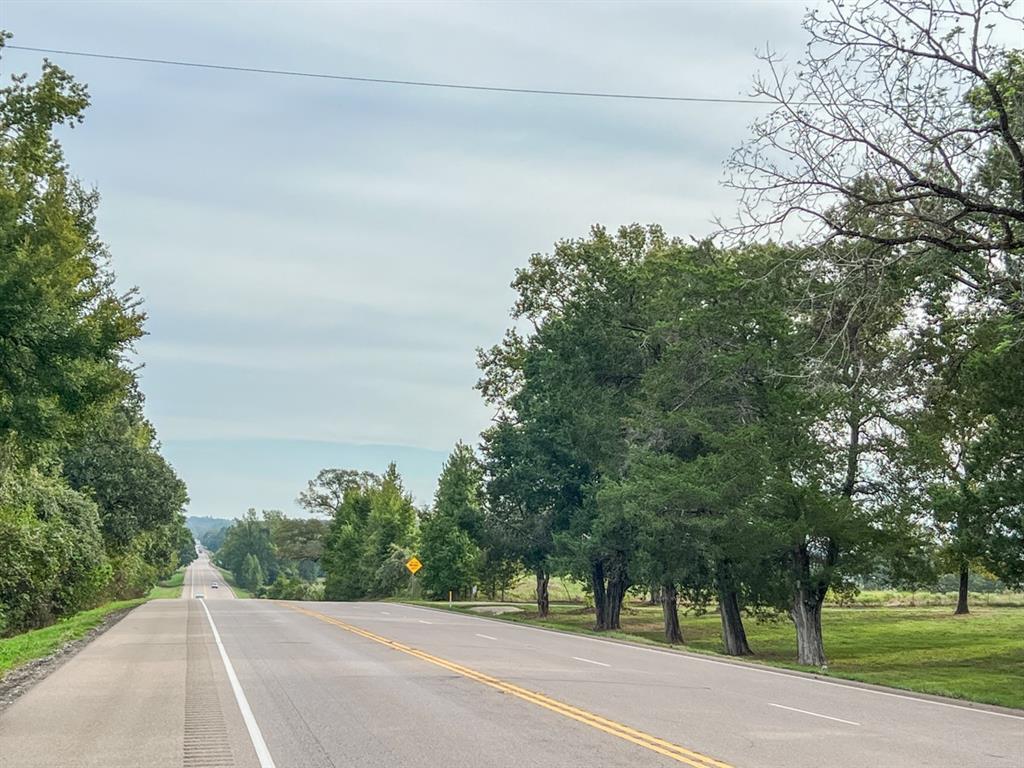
pixel 200 578
pixel 213 684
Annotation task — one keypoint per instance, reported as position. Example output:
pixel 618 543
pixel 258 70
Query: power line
pixel 387 81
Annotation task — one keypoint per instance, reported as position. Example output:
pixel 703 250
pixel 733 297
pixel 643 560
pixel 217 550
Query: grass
pixel 168 588
pixel 17 650
pixel 979 657
pixel 567 589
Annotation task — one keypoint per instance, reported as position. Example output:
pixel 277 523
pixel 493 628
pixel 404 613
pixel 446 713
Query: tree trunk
pixel 961 600
pixel 597 584
pixel 670 609
pixel 734 637
pixel 806 614
pixel 543 599
pixel 615 594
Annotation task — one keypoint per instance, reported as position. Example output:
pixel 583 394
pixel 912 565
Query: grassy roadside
pixel 979 657
pixel 17 650
pixel 565 589
pixel 168 588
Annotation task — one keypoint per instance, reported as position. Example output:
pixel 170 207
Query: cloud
pixel 321 259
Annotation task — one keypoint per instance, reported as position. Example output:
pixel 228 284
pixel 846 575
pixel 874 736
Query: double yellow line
pixel 640 738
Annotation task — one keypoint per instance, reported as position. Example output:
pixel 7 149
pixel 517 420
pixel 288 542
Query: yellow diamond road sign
pixel 413 565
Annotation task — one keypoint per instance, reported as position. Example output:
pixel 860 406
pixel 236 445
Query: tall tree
pixel 451 532
pixel 569 384
pixel 64 330
pixel 916 106
pixel 372 516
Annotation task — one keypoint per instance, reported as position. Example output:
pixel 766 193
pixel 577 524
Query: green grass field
pixel 979 657
pixel 15 651
pixel 568 590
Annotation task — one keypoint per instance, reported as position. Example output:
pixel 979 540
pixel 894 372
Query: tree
pixel 69 403
pixel 449 557
pixel 371 515
pixel 965 443
pixel 450 532
pixel 695 473
pixel 907 112
pixel 251 574
pixel 523 510
pixel 459 494
pixel 298 545
pixel 249 540
pixel 64 331
pixel 569 384
pixel 118 463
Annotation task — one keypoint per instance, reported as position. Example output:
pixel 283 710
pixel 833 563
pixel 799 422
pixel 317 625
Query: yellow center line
pixel 648 741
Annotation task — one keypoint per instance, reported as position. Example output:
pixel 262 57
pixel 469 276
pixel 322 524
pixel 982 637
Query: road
pixel 252 684
pixel 200 578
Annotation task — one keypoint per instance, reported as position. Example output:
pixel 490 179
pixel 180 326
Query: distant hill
pixel 200 526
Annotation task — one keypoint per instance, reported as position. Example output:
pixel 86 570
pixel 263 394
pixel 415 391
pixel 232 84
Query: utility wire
pixel 386 81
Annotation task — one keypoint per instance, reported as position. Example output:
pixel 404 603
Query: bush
pixel 52 552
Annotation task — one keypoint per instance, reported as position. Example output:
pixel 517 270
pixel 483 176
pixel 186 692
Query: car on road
pixel 199 595
pixel 215 585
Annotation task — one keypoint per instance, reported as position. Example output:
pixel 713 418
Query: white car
pixel 215 585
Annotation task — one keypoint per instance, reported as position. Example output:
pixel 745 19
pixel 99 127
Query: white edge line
pixel 690 656
pixel 262 753
pixel 812 714
pixel 425 622
pixel 591 661
pixel 486 637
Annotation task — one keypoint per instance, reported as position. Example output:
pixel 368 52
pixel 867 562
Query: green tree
pixel 450 534
pixel 449 557
pixel 568 387
pixel 64 330
pixel 251 575
pixel 371 515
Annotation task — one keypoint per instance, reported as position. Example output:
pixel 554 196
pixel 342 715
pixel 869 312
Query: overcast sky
pixel 320 259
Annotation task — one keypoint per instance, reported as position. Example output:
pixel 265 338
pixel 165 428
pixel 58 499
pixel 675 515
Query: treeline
pixel 271 555
pixel 89 509
pixel 372 529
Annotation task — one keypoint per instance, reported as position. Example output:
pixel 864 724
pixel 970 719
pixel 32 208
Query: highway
pixel 221 682
pixel 200 578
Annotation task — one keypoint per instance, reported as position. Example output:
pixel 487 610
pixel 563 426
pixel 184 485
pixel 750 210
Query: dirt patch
pixel 18 681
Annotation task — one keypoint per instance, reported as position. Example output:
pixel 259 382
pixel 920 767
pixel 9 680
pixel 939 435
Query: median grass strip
pixel 979 657
pixel 37 643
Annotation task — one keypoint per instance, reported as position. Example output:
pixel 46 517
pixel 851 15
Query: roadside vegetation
pixel 169 588
pixel 89 509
